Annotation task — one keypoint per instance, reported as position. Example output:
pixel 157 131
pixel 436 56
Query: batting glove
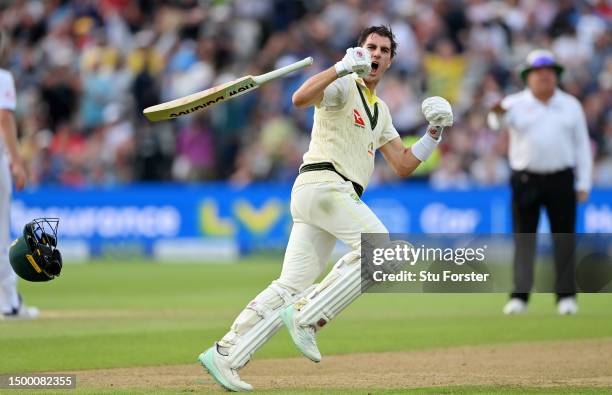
pixel 357 60
pixel 438 112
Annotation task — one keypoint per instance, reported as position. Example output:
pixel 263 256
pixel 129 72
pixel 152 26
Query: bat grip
pixel 272 75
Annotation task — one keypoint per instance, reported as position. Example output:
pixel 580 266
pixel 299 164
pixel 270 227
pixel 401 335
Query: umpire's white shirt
pixel 548 137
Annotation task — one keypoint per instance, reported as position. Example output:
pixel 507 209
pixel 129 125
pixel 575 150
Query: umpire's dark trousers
pixel 555 192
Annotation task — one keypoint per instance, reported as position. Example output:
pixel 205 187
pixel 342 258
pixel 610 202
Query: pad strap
pixel 269 323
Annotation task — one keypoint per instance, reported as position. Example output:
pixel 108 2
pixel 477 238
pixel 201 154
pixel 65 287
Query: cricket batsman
pixel 350 124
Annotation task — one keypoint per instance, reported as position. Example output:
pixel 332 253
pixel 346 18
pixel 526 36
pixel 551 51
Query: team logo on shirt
pixel 358 120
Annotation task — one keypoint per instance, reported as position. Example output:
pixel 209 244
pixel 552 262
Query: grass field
pixel 121 315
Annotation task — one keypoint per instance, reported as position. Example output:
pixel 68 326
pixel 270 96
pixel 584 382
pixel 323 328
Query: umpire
pixel 550 157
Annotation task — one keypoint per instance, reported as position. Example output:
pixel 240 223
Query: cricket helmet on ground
pixel 34 256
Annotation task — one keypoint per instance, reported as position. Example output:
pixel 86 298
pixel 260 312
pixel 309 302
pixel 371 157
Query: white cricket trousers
pixel 9 298
pixel 323 212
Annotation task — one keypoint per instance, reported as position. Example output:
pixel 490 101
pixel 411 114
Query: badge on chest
pixel 358 120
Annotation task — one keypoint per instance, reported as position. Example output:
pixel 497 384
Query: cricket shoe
pixel 515 306
pixel 219 368
pixel 22 313
pixel 567 306
pixel 303 336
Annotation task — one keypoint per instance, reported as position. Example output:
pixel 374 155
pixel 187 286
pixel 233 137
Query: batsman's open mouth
pixel 375 67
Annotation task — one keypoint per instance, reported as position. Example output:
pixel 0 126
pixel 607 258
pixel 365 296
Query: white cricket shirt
pixel 548 137
pixel 7 98
pixel 350 124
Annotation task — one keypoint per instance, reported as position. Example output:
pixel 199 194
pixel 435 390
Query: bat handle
pixel 272 75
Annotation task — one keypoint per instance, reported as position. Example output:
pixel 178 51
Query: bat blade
pixel 200 100
pixel 218 94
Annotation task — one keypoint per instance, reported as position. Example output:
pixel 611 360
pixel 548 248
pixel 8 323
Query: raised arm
pixel 405 160
pixel 311 91
pixel 356 60
pixel 400 158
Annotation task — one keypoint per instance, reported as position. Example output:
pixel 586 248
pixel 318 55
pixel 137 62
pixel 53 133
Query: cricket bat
pixel 218 94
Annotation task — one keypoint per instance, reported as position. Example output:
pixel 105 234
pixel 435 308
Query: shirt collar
pixel 556 96
pixel 553 100
pixel 371 96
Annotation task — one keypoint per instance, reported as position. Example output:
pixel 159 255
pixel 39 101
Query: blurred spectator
pixel 117 145
pixel 445 70
pixel 490 169
pixel 58 93
pixel 96 94
pixel 194 159
pixel 450 174
pixel 67 150
pixel 73 60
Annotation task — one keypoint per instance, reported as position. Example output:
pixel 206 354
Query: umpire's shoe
pixel 303 336
pixel 567 306
pixel 515 306
pixel 219 368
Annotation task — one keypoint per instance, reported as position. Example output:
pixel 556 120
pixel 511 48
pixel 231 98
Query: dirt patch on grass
pixel 542 364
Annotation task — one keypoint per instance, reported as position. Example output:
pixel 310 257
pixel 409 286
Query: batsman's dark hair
pixel 384 31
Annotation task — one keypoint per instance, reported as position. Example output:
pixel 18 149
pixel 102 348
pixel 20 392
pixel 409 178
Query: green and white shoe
pixel 303 336
pixel 219 368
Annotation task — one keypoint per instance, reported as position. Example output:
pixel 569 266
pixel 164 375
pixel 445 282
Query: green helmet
pixel 34 256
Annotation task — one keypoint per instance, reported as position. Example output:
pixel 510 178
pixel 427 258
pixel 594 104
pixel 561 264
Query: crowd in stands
pixel 86 69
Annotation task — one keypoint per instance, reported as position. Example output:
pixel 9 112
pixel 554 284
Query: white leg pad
pixel 337 290
pixel 257 323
